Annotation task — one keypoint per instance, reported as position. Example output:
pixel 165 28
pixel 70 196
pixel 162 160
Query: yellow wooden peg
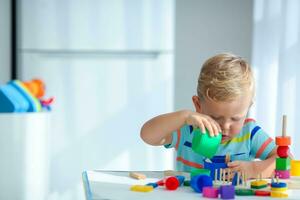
pixel 279 194
pixel 141 188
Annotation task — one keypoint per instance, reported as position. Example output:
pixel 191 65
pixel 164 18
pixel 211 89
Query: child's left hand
pixel 243 166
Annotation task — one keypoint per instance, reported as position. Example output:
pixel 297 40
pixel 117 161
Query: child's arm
pixel 254 168
pixel 158 130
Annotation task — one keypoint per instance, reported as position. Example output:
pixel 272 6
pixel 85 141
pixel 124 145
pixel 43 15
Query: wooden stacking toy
pixel 283 162
pixel 204 144
pixel 278 189
pixel 259 183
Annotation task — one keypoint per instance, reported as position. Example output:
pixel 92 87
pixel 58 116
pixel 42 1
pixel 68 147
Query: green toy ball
pixel 204 144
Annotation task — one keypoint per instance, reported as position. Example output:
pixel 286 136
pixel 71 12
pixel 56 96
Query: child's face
pixel 229 115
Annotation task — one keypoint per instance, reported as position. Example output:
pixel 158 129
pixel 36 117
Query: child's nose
pixel 225 128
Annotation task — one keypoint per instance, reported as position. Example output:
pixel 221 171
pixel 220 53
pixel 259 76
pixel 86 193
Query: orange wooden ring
pixel 283 141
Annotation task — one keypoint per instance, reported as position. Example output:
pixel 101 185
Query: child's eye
pixel 216 118
pixel 236 119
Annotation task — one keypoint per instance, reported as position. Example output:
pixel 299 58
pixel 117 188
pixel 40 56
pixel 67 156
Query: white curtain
pixel 275 59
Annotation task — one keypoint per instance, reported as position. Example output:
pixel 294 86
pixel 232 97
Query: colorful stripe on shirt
pixel 263 147
pixel 189 163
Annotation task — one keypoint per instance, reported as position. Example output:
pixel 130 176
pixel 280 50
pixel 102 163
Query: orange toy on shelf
pixel 36 87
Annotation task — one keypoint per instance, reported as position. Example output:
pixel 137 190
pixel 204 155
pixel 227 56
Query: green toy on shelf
pixel 204 144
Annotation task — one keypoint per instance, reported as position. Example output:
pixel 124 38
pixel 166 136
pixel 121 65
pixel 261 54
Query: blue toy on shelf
pixel 17 96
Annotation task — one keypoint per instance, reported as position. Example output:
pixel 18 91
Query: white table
pixel 115 185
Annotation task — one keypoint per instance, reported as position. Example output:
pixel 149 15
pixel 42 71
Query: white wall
pixel 204 28
pixel 4 41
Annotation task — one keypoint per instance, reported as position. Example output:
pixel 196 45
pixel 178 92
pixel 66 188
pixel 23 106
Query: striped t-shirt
pixel 252 142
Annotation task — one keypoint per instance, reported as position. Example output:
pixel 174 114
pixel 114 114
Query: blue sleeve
pixel 261 144
pixel 178 137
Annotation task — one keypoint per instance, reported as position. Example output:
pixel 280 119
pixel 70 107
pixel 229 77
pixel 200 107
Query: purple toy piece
pixel 210 192
pixel 283 174
pixel 227 192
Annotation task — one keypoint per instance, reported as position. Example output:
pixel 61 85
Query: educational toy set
pixel 217 180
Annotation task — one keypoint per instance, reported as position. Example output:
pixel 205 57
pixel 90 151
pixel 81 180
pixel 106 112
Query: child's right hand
pixel 203 121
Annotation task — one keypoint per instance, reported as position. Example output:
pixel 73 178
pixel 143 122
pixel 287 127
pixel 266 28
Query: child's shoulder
pixel 250 123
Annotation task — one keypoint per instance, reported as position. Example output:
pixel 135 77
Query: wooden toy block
pixel 137 175
pixel 283 174
pixel 173 173
pixel 278 194
pixel 210 192
pixel 278 185
pixel 195 172
pixel 283 163
pixel 204 144
pixel 172 183
pixel 213 167
pixel 295 167
pixel 141 188
pixel 283 151
pixel 258 184
pixel 200 181
pixel 283 141
pixel 244 192
pixel 279 189
pixel 262 193
pixel 170 173
pixel 227 192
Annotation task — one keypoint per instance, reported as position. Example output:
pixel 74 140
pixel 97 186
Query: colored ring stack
pixel 283 163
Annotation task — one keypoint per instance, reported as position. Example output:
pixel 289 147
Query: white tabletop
pixel 115 185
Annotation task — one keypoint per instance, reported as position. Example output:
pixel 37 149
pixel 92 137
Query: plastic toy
pixel 36 87
pixel 204 144
pixel 200 181
pixel 227 192
pixel 210 192
pixel 141 188
pixel 17 96
pixel 173 182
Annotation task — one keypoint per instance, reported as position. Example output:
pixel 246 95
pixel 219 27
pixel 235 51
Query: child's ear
pixel 197 103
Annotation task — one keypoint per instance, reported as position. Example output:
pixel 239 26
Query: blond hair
pixel 225 77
